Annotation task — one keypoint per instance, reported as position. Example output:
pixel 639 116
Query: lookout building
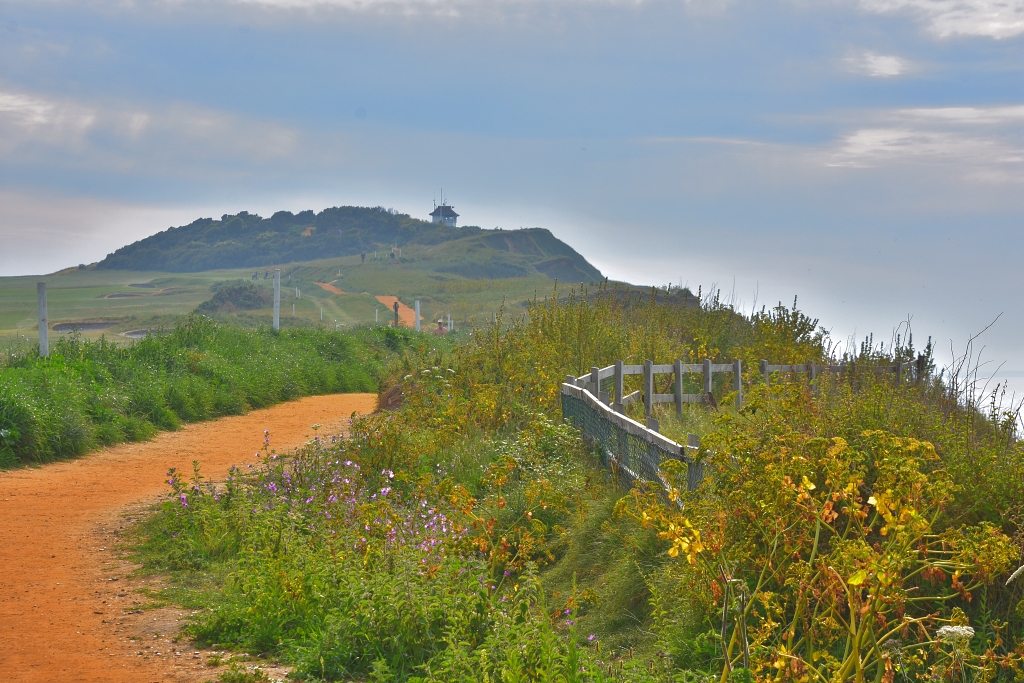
pixel 444 214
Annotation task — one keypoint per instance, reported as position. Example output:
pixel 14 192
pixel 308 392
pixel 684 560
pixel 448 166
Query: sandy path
pixel 66 613
pixel 328 287
pixel 406 315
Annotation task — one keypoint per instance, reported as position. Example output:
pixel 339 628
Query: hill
pixel 246 240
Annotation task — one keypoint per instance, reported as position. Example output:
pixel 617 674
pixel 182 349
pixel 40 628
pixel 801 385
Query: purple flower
pixel 591 638
pixel 184 500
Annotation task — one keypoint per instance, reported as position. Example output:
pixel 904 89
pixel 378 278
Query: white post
pixel 677 370
pixel 277 298
pixel 737 381
pixel 293 310
pixel 648 388
pixel 321 314
pixel 376 315
pixel 417 315
pixel 708 385
pixel 618 387
pixel 44 323
pixel 296 292
pixel 449 322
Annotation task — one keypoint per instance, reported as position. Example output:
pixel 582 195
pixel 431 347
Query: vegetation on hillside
pixel 849 530
pixel 236 295
pixel 93 393
pixel 247 240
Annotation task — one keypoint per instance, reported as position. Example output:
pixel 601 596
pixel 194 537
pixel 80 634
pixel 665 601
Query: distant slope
pixel 248 241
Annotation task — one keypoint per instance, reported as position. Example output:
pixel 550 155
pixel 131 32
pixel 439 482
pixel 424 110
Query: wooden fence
pixel 618 399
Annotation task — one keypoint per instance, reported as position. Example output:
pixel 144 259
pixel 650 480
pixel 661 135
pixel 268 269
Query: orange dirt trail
pixel 59 610
pixel 328 287
pixel 406 315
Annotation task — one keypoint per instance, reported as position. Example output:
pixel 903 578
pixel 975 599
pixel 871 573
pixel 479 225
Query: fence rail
pixel 629 449
pixel 634 451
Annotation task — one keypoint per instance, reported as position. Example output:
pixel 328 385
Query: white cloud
pixel 985 143
pixel 946 18
pixel 25 116
pixel 876 65
pixel 33 126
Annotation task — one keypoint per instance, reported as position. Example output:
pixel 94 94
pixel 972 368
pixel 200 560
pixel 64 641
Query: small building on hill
pixel 444 214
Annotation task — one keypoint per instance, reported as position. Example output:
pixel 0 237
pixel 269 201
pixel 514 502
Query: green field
pixel 133 300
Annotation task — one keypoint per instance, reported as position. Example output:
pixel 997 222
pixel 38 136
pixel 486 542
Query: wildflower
pixel 184 500
pixel 957 636
pixel 591 638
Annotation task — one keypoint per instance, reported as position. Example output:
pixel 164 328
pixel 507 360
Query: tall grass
pixel 469 536
pixel 93 393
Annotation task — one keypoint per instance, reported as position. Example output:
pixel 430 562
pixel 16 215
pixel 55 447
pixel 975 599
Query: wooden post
pixel 44 322
pixel 677 369
pixel 737 382
pixel 764 370
pixel 812 371
pixel 595 379
pixel 619 388
pixel 648 388
pixel 899 372
pixel 396 314
pixel 277 298
pixel 707 376
pixel 417 315
pixel 920 367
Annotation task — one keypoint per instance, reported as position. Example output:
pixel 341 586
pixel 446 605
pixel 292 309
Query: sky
pixel 864 156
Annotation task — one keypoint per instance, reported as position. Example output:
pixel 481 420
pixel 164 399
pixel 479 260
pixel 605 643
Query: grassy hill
pixel 468 273
pixel 246 240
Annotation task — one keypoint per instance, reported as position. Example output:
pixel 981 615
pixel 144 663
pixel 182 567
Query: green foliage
pixel 469 536
pixel 246 240
pixel 87 394
pixel 236 295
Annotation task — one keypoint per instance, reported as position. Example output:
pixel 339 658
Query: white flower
pixel 955 635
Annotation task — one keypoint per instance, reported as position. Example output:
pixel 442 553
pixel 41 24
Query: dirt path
pixel 406 315
pixel 67 614
pixel 328 287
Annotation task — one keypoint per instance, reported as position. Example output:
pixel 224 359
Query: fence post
pixel 764 370
pixel 417 315
pixel 707 376
pixel 812 371
pixel 920 367
pixel 648 388
pixel 737 381
pixel 44 322
pixel 619 388
pixel 678 388
pixel 396 314
pixel 899 372
pixel 595 379
pixel 277 298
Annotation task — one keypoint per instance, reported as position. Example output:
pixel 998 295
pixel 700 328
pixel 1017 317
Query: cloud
pixel 983 143
pixel 997 19
pixel 876 65
pixel 36 127
pixel 24 116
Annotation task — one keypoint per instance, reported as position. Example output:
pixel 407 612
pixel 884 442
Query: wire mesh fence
pixel 631 451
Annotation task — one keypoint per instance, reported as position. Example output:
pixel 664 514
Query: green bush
pixel 92 393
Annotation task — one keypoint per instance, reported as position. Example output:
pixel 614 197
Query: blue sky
pixel 864 155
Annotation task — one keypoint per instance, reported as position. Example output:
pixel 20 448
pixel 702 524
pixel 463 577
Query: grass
pixel 93 393
pixel 469 536
pixel 88 294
